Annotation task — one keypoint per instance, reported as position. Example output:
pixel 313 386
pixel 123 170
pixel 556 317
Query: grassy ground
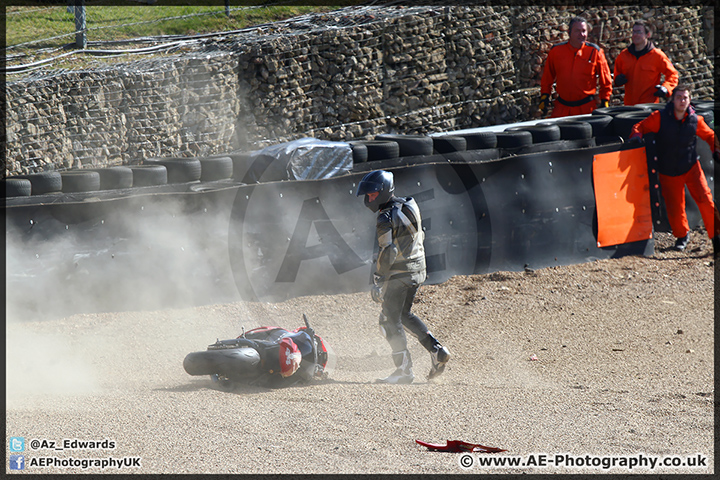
pixel 33 32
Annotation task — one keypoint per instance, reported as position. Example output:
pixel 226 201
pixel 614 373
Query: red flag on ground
pixel 459 446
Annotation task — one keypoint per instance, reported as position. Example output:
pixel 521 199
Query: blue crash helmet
pixel 378 181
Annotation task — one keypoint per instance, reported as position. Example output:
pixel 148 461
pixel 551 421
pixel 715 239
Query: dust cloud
pixel 45 364
pixel 143 256
pixel 80 279
pixel 144 253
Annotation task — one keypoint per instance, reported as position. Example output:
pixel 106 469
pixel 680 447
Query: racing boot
pixel 403 374
pixel 439 357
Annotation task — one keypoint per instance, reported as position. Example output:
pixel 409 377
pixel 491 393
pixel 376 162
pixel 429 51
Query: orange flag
pixel 622 197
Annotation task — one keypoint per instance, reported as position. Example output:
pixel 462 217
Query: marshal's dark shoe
pixel 682 242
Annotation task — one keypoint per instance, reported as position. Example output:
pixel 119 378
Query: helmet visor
pixel 366 187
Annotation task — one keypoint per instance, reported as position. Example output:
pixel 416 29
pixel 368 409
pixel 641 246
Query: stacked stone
pixel 274 83
pixel 152 124
pixel 204 104
pixel 36 119
pixel 480 63
pixel 184 106
pixel 405 70
pixel 95 127
pixel 681 32
pixel 536 29
pixel 415 68
pixel 346 81
pixel 708 28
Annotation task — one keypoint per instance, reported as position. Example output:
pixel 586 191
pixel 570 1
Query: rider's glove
pixel 661 91
pixel 636 139
pixel 544 103
pixel 319 372
pixel 377 291
pixel 620 80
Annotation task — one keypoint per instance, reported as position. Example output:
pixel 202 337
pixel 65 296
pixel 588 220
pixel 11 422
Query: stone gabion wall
pixel 121 115
pixel 351 74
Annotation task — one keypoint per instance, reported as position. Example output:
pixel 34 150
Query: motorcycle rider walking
pixel 399 271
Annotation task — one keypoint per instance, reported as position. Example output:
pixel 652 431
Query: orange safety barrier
pixel 622 197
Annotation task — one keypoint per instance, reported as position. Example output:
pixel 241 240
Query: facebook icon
pixel 17 462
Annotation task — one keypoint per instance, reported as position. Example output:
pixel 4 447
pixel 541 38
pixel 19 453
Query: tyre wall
pixel 350 74
pixel 278 240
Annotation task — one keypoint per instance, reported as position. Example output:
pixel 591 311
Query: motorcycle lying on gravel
pixel 265 356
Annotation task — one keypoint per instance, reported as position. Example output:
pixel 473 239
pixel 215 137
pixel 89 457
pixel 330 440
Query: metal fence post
pixel 80 27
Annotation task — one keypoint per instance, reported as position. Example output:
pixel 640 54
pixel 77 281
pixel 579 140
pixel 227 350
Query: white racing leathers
pixel 401 269
pixel 400 240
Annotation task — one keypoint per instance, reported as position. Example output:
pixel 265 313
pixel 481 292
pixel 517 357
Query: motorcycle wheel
pixel 233 363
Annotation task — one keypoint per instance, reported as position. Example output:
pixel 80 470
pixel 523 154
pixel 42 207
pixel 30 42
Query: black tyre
pixel 241 164
pixel 15 187
pixel 44 182
pixel 359 152
pixel 651 106
pixel 708 115
pixel 449 144
pixel 113 178
pixel 514 139
pixel 149 175
pixel 215 168
pixel 601 125
pixel 557 145
pixel 579 143
pixel 608 140
pixel 706 105
pixel 234 363
pixel 266 168
pixel 480 140
pixel 547 132
pixel 179 169
pixel 381 149
pixel 410 145
pixel 612 111
pixel 624 122
pixel 575 130
pixel 74 181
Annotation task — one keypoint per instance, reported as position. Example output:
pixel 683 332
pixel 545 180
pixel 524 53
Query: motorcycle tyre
pixel 233 363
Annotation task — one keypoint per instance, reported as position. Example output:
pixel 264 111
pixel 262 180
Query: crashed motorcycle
pixel 265 356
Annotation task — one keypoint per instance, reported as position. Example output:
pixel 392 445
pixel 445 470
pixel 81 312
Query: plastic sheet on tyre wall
pixel 311 159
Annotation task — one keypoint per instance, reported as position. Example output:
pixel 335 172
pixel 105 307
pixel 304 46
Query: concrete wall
pixel 346 75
